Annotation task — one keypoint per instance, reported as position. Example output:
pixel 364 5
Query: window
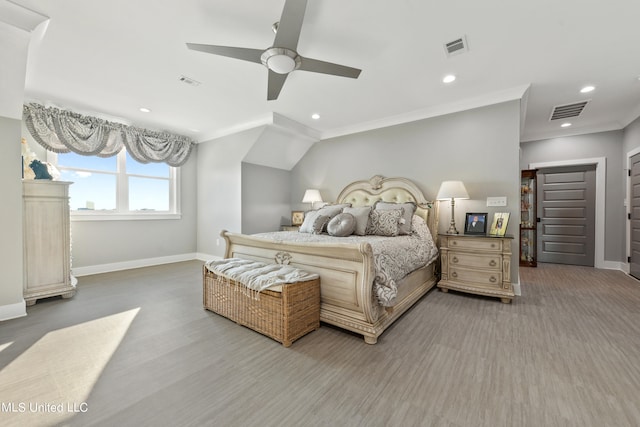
pixel 118 187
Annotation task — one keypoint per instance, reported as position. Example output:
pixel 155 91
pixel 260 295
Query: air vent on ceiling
pixel 456 46
pixel 568 110
pixel 189 81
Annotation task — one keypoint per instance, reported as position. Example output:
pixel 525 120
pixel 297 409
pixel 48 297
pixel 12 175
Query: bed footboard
pixel 346 279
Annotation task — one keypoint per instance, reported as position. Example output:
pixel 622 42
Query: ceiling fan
pixel 281 58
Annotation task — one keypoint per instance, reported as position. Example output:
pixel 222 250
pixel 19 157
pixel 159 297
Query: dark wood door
pixel 566 208
pixel 634 261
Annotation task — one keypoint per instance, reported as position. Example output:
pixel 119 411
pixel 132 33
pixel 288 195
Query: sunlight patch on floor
pixel 53 379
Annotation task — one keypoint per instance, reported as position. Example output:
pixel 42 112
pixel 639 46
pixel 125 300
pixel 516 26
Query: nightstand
pixel 477 264
pixel 289 228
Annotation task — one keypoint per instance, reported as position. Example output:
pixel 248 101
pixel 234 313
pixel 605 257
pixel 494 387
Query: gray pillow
pixel 362 218
pixel 342 225
pixel 313 222
pixel 409 209
pixel 384 222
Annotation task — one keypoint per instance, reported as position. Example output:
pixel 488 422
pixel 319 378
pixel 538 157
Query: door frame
pixel 627 204
pixel 601 179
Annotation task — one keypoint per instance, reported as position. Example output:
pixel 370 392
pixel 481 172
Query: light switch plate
pixel 497 201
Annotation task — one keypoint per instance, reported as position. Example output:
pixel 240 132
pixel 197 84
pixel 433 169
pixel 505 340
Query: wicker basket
pixel 284 316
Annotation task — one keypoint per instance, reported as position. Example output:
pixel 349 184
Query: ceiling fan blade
pixel 316 66
pixel 290 24
pixel 245 54
pixel 276 81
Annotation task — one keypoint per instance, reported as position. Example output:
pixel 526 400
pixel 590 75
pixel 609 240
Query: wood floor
pixel 136 348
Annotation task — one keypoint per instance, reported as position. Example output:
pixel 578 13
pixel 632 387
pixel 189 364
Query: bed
pixel 347 270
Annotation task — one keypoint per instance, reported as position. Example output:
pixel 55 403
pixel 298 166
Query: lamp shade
pixel 452 190
pixel 311 196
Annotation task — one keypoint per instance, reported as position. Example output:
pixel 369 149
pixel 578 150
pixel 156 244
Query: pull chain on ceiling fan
pixel 282 58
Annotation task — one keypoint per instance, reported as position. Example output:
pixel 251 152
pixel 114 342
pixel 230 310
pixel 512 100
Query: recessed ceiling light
pixel 565 125
pixel 145 110
pixel 315 116
pixel 587 89
pixel 449 78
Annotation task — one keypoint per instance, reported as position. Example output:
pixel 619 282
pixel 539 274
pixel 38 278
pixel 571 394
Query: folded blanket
pixel 256 275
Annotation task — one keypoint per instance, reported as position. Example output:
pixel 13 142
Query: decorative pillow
pixel 384 222
pixel 331 210
pixel 362 218
pixel 342 225
pixel 409 210
pixel 313 222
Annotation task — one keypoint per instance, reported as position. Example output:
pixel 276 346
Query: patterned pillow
pixel 407 215
pixel 342 225
pixel 384 222
pixel 313 222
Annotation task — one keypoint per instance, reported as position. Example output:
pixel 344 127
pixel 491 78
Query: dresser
pixel 477 264
pixel 47 240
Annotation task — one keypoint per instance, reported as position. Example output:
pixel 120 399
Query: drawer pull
pixel 493 263
pixel 493 245
pixel 493 279
pixel 454 274
pixel 454 243
pixel 454 260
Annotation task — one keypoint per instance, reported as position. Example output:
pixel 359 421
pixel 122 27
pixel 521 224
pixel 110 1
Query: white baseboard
pixel 11 311
pixel 615 265
pixel 516 288
pixel 127 265
pixel 207 257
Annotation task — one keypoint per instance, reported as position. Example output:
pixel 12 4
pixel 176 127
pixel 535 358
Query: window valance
pixel 63 131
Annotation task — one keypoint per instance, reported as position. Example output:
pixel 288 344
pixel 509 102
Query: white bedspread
pixel 394 257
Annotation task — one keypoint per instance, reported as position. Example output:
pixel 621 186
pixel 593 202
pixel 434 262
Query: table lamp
pixel 311 196
pixel 452 190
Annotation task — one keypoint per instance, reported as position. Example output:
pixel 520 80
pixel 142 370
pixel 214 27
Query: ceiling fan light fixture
pixel 280 60
pixel 281 64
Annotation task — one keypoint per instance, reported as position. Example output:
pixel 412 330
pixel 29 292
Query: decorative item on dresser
pixel 477 264
pixel 451 190
pixel 47 240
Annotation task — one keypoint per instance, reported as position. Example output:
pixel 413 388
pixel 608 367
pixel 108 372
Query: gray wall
pixel 479 147
pixel 220 188
pixel 10 217
pixel 14 44
pixel 266 198
pixel 631 138
pixel 601 144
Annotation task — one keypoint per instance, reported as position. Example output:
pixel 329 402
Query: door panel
pixel 566 208
pixel 634 262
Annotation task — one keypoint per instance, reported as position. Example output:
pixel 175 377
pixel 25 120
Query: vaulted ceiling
pixel 112 58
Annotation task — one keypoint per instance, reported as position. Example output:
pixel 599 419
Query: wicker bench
pixel 284 316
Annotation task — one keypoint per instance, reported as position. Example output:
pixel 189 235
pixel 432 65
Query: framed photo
pixel 475 223
pixel 499 224
pixel 297 217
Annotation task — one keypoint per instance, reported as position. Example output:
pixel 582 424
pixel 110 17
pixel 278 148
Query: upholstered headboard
pixel 394 190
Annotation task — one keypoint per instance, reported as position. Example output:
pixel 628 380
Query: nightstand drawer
pixel 483 278
pixel 486 244
pixel 487 262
